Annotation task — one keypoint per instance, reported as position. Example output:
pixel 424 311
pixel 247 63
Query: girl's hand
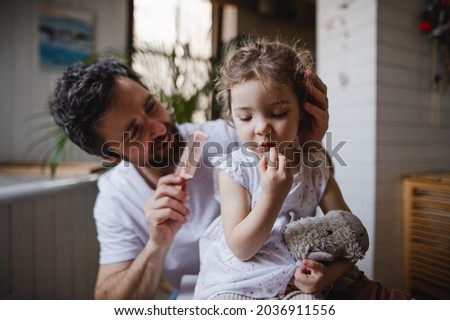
pixel 276 175
pixel 312 276
pixel 165 211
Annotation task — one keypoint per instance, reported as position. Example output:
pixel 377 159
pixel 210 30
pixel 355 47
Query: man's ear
pixel 109 160
pixel 110 154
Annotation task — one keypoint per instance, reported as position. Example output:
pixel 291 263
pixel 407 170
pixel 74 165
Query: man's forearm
pixel 139 280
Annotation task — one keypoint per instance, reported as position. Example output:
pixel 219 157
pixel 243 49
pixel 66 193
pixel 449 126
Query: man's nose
pixel 156 129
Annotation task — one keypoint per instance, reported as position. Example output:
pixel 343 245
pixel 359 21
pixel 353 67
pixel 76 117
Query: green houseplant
pixel 181 81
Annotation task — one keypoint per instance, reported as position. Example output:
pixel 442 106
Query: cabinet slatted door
pixel 426 211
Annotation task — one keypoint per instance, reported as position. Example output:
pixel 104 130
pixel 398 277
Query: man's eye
pixel 135 132
pixel 150 106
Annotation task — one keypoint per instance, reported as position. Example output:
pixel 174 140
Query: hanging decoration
pixel 435 21
pixel 435 24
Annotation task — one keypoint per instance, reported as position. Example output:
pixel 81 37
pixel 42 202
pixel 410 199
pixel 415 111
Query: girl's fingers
pixel 273 158
pixel 262 165
pixel 281 162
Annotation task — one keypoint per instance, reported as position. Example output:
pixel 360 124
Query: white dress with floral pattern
pixel 268 273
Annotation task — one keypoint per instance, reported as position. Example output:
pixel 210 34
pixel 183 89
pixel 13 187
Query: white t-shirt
pixel 268 273
pixel 121 226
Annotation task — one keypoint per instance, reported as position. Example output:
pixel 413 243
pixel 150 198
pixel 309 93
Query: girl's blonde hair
pixel 271 62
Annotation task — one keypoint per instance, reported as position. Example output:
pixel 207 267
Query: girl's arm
pixel 247 230
pixel 315 276
pixel 332 198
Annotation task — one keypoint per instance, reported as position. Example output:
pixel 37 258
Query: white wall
pixel 24 86
pixel 346 60
pixel 383 112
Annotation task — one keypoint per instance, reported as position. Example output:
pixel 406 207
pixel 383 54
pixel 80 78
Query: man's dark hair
pixel 81 97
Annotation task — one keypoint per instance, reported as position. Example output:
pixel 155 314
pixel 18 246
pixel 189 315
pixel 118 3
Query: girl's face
pixel 265 116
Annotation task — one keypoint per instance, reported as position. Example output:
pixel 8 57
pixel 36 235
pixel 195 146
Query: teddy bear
pixel 337 234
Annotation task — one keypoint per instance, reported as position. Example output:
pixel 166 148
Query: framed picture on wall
pixel 65 36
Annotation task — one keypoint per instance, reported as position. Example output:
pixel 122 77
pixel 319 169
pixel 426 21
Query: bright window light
pixel 180 29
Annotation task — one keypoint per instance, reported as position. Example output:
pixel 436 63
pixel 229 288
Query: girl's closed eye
pixel 280 115
pixel 245 118
pixel 279 109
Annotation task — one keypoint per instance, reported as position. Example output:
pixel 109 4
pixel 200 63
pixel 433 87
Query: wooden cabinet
pixel 427 234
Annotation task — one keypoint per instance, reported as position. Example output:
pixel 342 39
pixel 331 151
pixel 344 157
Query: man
pixel 106 110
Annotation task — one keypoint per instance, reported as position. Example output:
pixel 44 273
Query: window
pixel 172 42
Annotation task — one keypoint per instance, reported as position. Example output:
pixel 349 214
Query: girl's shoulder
pixel 238 159
pixel 241 165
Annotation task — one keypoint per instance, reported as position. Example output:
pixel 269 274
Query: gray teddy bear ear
pixel 358 228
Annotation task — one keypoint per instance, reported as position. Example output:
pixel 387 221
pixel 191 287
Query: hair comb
pixel 192 154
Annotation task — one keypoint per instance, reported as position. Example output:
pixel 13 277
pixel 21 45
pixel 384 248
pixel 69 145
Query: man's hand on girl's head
pixel 317 107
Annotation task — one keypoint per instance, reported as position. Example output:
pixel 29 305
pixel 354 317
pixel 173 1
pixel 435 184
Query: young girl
pixel 266 182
